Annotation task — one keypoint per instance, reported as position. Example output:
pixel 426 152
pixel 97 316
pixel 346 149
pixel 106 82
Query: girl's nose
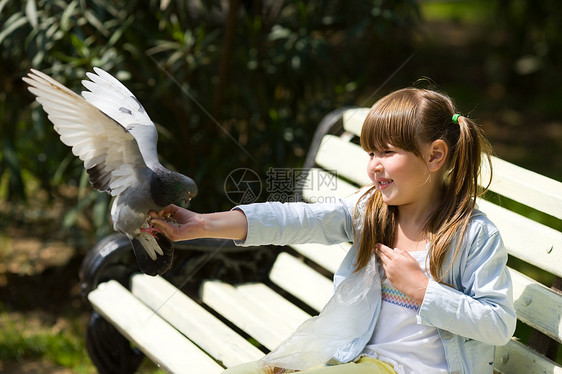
pixel 375 164
pixel 373 167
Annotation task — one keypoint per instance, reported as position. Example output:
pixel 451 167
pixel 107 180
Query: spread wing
pixel 110 153
pixel 114 99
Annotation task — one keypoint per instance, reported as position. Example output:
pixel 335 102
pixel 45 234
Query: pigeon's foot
pixel 152 231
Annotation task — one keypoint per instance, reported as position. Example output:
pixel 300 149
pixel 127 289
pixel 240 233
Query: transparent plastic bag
pixel 346 316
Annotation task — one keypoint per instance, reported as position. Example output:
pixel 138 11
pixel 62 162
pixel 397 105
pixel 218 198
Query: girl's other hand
pixel 403 271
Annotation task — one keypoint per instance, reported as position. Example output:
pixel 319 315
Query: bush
pixel 241 86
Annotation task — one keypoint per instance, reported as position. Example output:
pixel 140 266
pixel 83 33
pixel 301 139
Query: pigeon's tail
pixel 154 254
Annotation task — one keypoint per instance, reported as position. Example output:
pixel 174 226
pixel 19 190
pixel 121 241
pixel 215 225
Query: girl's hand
pixel 403 271
pixel 181 224
pixel 177 223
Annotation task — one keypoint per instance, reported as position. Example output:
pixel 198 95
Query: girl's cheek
pixel 371 175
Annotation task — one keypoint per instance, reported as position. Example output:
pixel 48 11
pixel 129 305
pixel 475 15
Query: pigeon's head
pixel 169 187
pixel 187 189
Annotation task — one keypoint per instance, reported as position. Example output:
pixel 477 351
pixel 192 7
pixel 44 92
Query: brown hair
pixel 405 119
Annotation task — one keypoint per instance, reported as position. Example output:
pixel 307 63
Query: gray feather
pixel 99 177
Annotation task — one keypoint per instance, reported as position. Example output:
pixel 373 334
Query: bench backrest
pixel 339 168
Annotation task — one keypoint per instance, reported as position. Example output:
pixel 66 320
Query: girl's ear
pixel 437 154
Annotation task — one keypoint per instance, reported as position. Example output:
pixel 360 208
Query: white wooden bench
pixel 226 324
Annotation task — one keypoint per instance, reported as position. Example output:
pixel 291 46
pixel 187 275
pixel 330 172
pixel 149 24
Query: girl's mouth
pixel 384 183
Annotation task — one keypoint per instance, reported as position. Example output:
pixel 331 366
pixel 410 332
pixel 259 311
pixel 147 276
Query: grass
pixel 34 336
pixel 28 337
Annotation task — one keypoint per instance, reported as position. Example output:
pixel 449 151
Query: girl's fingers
pixel 159 224
pixel 384 250
pixel 170 231
pixel 170 209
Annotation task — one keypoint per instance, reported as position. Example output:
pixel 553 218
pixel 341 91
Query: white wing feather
pixel 114 99
pixel 95 138
pixel 109 95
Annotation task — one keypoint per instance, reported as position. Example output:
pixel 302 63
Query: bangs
pixel 391 122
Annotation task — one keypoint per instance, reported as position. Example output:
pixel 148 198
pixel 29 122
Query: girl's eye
pixel 380 153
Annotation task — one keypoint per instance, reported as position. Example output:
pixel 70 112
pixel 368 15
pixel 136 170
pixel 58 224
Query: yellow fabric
pixel 365 365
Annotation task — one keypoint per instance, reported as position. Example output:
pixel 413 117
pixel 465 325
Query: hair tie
pixel 456 118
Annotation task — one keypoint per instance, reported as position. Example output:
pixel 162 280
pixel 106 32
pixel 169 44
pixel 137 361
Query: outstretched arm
pixel 181 224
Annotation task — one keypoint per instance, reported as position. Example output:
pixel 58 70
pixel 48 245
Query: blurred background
pixel 231 84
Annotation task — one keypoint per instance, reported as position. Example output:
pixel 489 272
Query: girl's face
pixel 402 177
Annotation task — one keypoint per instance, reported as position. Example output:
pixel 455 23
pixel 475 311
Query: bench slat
pixel 349 160
pixel 515 357
pixel 159 341
pixel 353 119
pixel 319 189
pixel 327 256
pixel 526 239
pixel 257 319
pixel 191 319
pixel 285 312
pixel 526 187
pixel 301 281
pixel 537 305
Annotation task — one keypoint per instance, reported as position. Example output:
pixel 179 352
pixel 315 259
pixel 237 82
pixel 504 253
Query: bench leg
pixel 109 351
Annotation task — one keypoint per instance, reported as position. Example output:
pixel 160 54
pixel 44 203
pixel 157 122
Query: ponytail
pixel 461 189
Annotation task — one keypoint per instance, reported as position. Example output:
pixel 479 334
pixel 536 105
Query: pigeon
pixel 110 131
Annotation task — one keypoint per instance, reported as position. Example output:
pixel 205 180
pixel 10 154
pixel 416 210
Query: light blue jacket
pixel 471 318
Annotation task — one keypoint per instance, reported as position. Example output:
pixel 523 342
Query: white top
pixel 398 338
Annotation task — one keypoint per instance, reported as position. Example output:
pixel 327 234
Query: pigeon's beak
pixel 191 190
pixel 189 197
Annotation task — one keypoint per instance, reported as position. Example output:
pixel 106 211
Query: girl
pixel 446 293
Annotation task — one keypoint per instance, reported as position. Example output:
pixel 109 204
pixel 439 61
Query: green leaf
pixel 15 182
pixel 62 166
pixel 80 45
pixel 94 21
pixel 16 21
pixel 2 5
pixel 66 15
pixel 31 13
pixel 119 32
pixel 100 213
